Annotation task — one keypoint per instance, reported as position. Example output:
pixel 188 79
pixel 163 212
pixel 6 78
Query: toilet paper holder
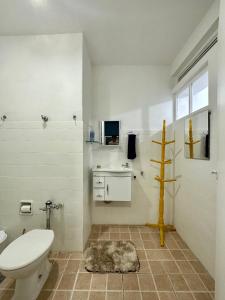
pixel 25 208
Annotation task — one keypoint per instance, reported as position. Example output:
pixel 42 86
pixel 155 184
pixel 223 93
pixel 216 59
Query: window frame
pixel 189 85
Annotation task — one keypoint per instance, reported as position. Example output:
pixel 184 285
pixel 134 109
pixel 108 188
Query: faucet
pixel 126 165
pixel 49 205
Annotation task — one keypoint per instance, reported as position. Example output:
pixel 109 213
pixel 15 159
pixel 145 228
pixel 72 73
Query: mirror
pixel 110 133
pixel 197 136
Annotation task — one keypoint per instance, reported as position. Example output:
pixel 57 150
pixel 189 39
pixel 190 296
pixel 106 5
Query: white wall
pixel 220 237
pixel 195 201
pixel 87 117
pixel 42 75
pixel 140 97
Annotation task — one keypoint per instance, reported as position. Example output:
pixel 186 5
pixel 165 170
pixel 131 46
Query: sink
pixel 113 170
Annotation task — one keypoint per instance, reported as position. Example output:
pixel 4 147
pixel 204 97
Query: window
pixel 200 92
pixel 193 97
pixel 183 103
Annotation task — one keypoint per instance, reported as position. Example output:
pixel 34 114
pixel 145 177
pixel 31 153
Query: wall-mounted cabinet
pixel 112 185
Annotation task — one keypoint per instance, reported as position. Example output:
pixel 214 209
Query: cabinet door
pixel 117 188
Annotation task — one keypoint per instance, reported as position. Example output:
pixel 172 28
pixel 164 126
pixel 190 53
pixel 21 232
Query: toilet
pixel 26 260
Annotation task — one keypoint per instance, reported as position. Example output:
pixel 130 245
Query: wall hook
pixel 74 117
pixel 44 118
pixel 3 118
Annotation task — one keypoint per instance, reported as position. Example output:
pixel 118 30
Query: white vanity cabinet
pixel 112 185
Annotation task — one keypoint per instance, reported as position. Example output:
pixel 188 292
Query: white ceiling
pixel 117 31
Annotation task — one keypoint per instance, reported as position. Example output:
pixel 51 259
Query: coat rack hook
pixel 3 118
pixel 44 118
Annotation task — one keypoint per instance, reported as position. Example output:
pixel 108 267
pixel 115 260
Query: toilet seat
pixel 26 249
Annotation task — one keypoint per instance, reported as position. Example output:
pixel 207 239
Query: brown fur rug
pixel 111 257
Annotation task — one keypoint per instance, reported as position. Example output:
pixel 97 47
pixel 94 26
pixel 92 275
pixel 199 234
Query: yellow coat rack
pixel 191 143
pixel 161 179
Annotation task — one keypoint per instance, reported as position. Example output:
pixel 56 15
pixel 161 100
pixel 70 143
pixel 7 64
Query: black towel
pixel 131 151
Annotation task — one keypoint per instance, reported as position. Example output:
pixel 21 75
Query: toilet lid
pixel 26 249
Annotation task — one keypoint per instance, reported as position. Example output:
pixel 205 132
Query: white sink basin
pixel 113 170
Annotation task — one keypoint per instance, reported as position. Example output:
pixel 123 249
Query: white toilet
pixel 26 260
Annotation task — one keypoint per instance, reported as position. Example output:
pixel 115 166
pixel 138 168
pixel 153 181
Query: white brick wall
pixel 42 75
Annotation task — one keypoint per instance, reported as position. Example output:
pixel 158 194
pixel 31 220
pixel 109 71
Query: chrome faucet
pixel 49 205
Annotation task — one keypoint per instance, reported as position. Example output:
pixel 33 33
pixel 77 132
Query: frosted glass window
pixel 200 96
pixel 182 104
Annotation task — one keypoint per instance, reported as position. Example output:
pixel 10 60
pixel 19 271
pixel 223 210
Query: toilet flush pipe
pixel 49 205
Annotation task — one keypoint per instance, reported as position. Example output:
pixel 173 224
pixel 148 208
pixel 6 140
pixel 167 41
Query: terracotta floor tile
pixel 59 265
pixel 150 244
pixel 185 266
pixel 167 296
pixel 80 295
pixel 45 295
pixel 144 267
pixel 138 244
pixel 83 281
pixel 145 229
pixel 99 282
pixel 171 244
pixel 146 236
pixel 156 267
pixel 105 228
pixel 133 229
pixel 8 283
pixel 198 267
pixel 170 266
pixel 114 295
pixel 135 236
pixel 104 236
pixel 53 280
pixel 97 296
pixel 114 229
pixel 124 229
pixel 6 294
pixel 141 254
pixel 163 283
pixel 76 255
pixel 189 254
pixel 202 296
pixel 184 296
pixel 178 282
pixel 150 296
pixel 177 254
pixel 67 282
pixel 63 255
pixel 125 236
pixel 114 282
pixel 130 282
pixel 72 266
pixel 82 267
pixel 208 281
pixel 62 295
pixel 181 244
pixel 114 236
pixel 132 295
pixel 194 282
pixel 158 254
pixel 146 282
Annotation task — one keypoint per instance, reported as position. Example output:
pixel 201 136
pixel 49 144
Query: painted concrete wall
pixel 87 149
pixel 220 237
pixel 42 75
pixel 195 195
pixel 140 97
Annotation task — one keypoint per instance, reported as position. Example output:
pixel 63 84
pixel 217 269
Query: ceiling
pixel 116 31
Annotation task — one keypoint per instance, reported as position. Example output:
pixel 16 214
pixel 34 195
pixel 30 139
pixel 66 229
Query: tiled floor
pixel 172 273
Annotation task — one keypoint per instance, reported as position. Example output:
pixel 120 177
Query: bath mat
pixel 111 257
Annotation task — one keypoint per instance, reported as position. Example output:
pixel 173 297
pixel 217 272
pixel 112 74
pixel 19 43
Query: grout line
pixel 89 292
pixel 60 278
